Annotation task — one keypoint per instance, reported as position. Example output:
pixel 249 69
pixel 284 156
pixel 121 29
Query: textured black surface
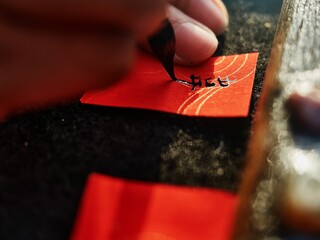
pixel 46 156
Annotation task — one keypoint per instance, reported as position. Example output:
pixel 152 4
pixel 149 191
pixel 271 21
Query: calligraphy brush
pixel 163 46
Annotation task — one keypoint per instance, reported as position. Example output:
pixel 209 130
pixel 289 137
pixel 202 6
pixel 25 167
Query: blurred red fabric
pixel 115 209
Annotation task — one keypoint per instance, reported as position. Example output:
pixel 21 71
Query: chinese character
pixel 194 83
pixel 224 83
pixel 209 84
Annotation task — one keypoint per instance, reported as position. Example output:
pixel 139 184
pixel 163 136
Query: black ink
pixel 223 83
pixel 209 84
pixel 194 83
pixel 163 45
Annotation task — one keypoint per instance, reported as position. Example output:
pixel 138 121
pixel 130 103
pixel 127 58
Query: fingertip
pixel 211 13
pixel 195 43
pixel 225 16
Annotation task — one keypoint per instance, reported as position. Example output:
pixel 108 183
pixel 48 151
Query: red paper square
pixel 114 209
pixel 149 87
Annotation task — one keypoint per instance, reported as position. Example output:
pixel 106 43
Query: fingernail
pixel 195 43
pixel 211 13
pixel 223 9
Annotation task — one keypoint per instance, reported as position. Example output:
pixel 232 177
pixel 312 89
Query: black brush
pixel 163 46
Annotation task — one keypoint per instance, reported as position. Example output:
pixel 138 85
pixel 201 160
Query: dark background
pixel 46 156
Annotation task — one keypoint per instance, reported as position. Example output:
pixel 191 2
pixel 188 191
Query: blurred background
pixel 46 155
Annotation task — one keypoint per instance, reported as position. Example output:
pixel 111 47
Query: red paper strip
pixel 114 209
pixel 227 94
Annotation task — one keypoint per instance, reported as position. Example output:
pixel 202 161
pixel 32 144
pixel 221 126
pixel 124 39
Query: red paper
pixel 149 87
pixel 114 209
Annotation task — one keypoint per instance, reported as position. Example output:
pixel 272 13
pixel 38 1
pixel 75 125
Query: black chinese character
pixel 223 83
pixel 209 84
pixel 195 83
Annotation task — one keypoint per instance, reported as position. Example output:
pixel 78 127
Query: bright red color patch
pixel 149 87
pixel 114 209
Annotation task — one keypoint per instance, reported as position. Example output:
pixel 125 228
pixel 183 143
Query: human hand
pixel 196 24
pixel 54 51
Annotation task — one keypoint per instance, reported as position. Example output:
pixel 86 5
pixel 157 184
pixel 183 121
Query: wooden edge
pixel 259 144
